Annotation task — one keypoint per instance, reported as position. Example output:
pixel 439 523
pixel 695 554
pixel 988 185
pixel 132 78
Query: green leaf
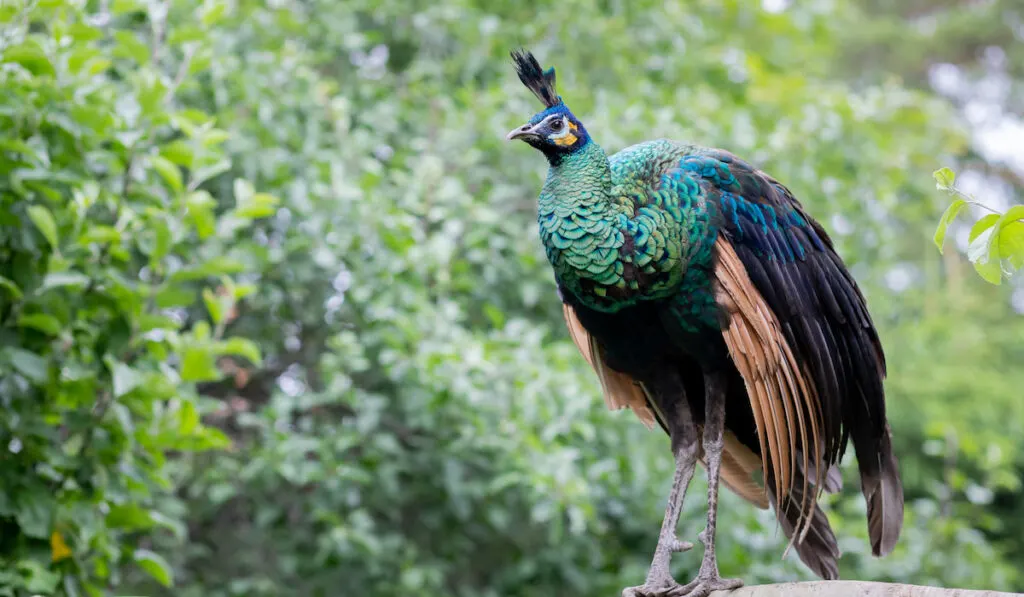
pixel 120 7
pixel 168 171
pixel 983 224
pixel 83 33
pixel 152 94
pixel 199 364
pixel 155 565
pixel 43 219
pixel 1011 243
pixel 206 172
pixel 11 288
pixel 130 517
pixel 26 150
pixel 1014 214
pixel 100 234
pixel 214 304
pixel 61 279
pixel 175 296
pixel 31 56
pixel 1012 217
pixel 977 251
pixel 130 46
pixel 98 66
pixel 201 62
pixel 162 239
pixel 242 347
pixel 125 377
pixel 213 267
pixel 243 190
pixel 29 364
pixel 989 271
pixel 152 321
pixel 212 13
pixel 73 446
pixel 87 194
pixel 214 137
pixel 81 56
pixel 241 291
pixel 201 331
pixel 179 152
pixel 944 179
pixel 188 419
pixel 257 205
pixel 947 219
pixel 495 315
pixel 34 513
pixel 984 254
pixel 38 578
pixel 210 438
pixel 200 206
pixel 48 324
pixel 185 34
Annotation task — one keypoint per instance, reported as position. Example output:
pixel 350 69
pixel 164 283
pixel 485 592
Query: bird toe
pixel 666 589
pixel 704 586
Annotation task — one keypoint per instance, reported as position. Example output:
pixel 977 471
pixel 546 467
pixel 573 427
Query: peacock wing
pixel 789 261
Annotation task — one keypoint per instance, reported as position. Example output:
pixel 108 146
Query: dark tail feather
pixel 883 492
pixel 818 550
pixel 833 481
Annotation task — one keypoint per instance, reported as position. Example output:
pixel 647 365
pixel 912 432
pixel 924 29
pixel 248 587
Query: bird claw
pixel 704 585
pixel 661 584
pixel 663 589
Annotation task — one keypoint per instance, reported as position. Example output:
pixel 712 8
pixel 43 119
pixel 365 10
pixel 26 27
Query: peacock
pixel 709 302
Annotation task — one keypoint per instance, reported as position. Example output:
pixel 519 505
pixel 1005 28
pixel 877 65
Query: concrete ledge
pixel 849 588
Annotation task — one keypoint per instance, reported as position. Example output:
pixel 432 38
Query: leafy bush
pixel 110 239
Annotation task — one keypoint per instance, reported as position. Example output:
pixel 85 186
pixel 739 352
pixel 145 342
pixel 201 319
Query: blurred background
pixel 275 319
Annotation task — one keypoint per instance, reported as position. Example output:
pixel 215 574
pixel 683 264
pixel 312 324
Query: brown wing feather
pixel 739 463
pixel 786 407
pixel 620 390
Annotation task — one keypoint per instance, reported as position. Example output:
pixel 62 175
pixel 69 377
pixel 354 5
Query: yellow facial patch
pixel 565 140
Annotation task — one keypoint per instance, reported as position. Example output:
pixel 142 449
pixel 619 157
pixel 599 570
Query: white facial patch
pixel 565 137
pixel 565 128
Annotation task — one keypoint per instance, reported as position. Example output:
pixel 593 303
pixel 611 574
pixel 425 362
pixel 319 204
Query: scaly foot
pixel 659 581
pixel 704 585
pixel 650 590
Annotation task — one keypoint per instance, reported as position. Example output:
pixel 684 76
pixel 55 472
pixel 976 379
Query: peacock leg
pixel 684 446
pixel 708 578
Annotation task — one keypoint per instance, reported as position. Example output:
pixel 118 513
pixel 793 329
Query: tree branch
pixel 849 588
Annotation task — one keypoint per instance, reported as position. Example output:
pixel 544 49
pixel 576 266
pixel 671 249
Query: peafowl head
pixel 554 130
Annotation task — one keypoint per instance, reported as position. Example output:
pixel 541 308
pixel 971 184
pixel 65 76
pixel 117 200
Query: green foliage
pixel 99 254
pixel 996 240
pixel 275 319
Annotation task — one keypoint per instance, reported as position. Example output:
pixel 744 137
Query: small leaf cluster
pixel 996 240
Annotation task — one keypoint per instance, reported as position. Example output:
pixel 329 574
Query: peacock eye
pixel 557 125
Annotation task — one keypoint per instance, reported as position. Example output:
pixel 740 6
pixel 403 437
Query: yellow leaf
pixel 58 547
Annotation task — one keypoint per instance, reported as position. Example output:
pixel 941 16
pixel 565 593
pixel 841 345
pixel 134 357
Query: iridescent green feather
pixel 628 229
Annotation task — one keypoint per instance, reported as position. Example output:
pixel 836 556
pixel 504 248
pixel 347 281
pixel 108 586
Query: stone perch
pixel 852 588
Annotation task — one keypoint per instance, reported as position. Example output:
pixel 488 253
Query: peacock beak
pixel 524 132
